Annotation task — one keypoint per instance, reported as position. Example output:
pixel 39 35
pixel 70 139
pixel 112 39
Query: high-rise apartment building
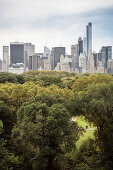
pixel 90 63
pixel 89 39
pixel 82 63
pixel 5 65
pixel 16 52
pixel 36 62
pixel 75 57
pixel 110 66
pixel 56 54
pixel 106 54
pixel 0 64
pixel 80 45
pixel 29 50
pixel 46 51
pixel 85 45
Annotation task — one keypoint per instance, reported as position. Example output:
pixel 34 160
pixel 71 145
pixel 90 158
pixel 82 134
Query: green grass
pixel 83 123
pixel 86 135
pixel 88 132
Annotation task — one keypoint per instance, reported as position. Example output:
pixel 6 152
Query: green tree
pixel 83 82
pixel 7 160
pixel 46 133
pixel 95 103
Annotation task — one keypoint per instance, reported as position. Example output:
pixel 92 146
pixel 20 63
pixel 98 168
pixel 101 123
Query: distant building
pixel 5 65
pixel 16 52
pixel 80 45
pixel 63 65
pixel 85 45
pixel 89 39
pixel 106 54
pixel 46 51
pixel 100 68
pixel 0 65
pixel 56 54
pixel 82 63
pixel 75 57
pixel 29 50
pixel 99 56
pixel 17 68
pixel 90 64
pixel 47 63
pixel 36 61
pixel 95 59
pixel 110 66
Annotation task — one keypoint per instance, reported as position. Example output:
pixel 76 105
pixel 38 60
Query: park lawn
pixel 86 135
pixel 89 133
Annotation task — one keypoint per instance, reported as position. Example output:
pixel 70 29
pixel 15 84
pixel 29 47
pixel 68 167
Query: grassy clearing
pixel 88 132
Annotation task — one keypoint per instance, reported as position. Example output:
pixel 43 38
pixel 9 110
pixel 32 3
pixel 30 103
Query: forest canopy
pixel 56 120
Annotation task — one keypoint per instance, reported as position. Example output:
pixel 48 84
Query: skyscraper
pixel 46 51
pixel 56 54
pixel 85 45
pixel 80 45
pixel 5 58
pixel 106 54
pixel 75 57
pixel 16 52
pixel 29 51
pixel 89 39
pixel 82 63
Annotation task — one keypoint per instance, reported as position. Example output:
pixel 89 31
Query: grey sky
pixel 55 22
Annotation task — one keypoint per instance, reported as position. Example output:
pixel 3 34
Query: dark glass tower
pixel 16 53
pixel 106 54
pixel 56 54
pixel 80 45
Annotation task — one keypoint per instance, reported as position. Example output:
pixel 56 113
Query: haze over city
pixel 55 23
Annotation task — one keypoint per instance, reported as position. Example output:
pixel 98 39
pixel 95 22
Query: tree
pixel 95 103
pixel 11 78
pixel 83 82
pixel 7 160
pixel 45 132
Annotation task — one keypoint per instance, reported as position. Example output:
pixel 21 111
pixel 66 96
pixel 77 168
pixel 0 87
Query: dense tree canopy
pixel 95 103
pixel 49 131
pixel 37 127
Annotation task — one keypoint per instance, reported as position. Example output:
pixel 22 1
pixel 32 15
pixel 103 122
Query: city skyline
pixel 55 24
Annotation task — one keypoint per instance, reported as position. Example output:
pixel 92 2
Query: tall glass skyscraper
pixel 89 39
pixel 16 52
pixel 80 45
pixel 106 54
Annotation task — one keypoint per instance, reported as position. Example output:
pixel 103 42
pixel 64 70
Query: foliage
pixel 7 160
pixel 11 78
pixel 48 78
pixel 95 103
pixel 38 102
pixel 87 157
pixel 47 130
pixel 83 82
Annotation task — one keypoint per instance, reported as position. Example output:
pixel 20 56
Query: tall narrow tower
pixel 89 39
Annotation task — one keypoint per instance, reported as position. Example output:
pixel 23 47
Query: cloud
pixel 31 9
pixel 55 21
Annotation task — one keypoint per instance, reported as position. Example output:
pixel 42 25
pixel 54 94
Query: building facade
pixel 89 39
pixel 80 45
pixel 82 63
pixel 56 54
pixel 16 52
pixel 5 66
pixel 29 50
pixel 106 54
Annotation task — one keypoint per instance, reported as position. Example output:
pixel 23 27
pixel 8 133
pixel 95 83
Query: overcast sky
pixel 55 22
